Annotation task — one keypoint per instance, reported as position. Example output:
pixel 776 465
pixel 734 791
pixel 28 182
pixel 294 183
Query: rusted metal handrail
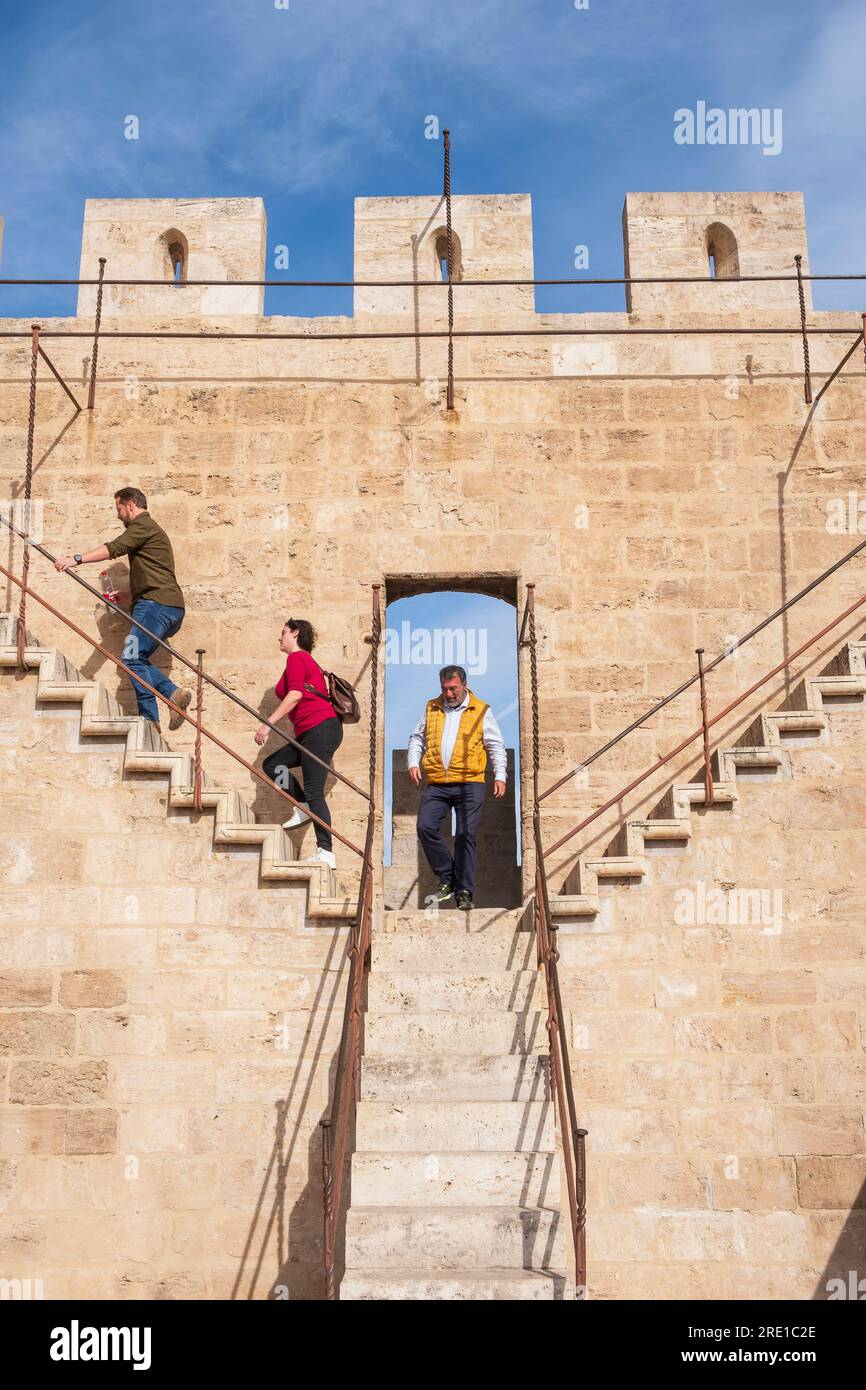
pixel 185 660
pixel 561 1086
pixel 199 700
pixel 347 1082
pixel 176 709
pixel 635 331
pixel 28 486
pixel 405 284
pixel 729 650
pixel 660 762
pixel 708 763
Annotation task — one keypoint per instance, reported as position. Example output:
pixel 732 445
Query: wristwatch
pixel 78 560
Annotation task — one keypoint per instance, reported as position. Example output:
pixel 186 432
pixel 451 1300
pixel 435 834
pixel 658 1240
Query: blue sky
pixel 313 105
pixel 474 631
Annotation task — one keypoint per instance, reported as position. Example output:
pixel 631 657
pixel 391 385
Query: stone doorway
pixel 430 623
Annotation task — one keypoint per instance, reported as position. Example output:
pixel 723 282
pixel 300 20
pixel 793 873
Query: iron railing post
pixel 708 769
pixel 199 702
pixel 807 373
pixel 327 1193
pixel 449 393
pixel 21 633
pixel 94 355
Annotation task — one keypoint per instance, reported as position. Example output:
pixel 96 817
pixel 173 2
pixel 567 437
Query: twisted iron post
pixel 449 394
pixel 807 372
pixel 94 356
pixel 21 633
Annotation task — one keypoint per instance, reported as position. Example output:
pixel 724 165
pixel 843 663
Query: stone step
pixel 455 1179
pixel 513 1077
pixel 453 921
pixel 466 951
pixel 397 993
pixel 455 1035
pixel 424 1126
pixel 454 1238
pixel 425 1286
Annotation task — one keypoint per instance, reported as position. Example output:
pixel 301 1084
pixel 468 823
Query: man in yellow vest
pixel 450 745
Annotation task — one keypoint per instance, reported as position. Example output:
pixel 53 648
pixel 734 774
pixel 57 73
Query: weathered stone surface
pixel 169 1020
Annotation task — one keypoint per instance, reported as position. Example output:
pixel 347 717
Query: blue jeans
pixel 437 801
pixel 163 622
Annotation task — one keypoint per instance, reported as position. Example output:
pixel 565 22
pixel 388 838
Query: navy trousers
pixel 437 800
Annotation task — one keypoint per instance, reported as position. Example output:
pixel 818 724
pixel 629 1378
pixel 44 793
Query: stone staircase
pixel 59 682
pixel 455 1180
pixel 759 753
pixel 455 1172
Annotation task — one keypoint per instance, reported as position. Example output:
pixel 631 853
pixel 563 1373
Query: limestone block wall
pixel 717 1044
pixel 167 1034
pixel 661 492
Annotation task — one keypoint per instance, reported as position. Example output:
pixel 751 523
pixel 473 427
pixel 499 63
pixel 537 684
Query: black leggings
pixel 323 740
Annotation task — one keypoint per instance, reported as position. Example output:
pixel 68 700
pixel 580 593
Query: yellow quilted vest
pixel 469 758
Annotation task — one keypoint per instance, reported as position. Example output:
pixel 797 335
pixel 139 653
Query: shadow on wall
pixel 281 1257
pixel 844 1277
pixel 408 878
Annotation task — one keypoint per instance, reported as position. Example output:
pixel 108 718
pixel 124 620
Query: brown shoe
pixel 182 698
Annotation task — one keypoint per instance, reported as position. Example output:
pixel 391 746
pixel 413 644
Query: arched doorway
pixel 427 626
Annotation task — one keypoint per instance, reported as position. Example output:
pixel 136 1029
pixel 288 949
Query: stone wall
pixel 168 1028
pixel 717 1029
pixel 661 491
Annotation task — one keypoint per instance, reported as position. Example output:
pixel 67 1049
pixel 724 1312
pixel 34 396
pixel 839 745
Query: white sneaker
pixel 298 817
pixel 322 856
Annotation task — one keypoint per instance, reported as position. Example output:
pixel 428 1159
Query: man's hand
pixel 65 562
pixel 261 734
pixel 498 789
pixel 415 775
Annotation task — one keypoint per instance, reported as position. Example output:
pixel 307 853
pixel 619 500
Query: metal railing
pixel 347 1083
pixel 572 1136
pixel 699 678
pixel 335 1126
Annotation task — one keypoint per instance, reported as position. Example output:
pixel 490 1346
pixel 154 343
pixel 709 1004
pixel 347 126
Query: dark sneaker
pixel 464 902
pixel 442 894
pixel 182 698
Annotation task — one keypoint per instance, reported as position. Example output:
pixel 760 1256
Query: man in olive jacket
pixel 450 744
pixel 157 599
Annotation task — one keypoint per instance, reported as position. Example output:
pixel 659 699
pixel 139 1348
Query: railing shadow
pixel 269 1223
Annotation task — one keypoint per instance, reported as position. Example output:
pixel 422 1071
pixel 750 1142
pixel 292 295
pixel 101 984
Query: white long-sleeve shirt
pixel 491 737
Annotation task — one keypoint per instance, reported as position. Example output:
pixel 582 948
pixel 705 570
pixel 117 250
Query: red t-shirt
pixel 310 709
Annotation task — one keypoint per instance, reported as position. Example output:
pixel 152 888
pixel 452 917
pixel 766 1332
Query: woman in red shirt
pixel 316 727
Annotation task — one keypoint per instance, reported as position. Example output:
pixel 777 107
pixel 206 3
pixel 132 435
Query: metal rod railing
pixel 717 661
pixel 94 352
pixel 637 331
pixel 561 1086
pixel 176 709
pixel 660 762
pixel 572 1135
pixel 405 284
pixel 708 768
pixel 347 1082
pixel 199 700
pixel 185 660
pixel 449 237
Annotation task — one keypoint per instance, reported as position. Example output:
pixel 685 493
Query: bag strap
pixel 313 691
